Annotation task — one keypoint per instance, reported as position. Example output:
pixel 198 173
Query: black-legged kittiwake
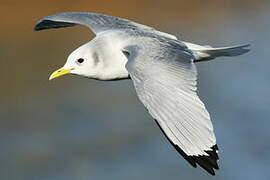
pixel 163 72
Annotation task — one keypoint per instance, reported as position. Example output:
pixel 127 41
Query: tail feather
pixel 205 53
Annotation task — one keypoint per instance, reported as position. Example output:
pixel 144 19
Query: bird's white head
pixel 96 60
pixel 82 61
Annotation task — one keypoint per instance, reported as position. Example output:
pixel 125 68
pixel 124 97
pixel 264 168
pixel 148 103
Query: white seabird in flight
pixel 162 70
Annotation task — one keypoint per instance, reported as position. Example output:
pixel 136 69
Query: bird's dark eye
pixel 126 53
pixel 80 60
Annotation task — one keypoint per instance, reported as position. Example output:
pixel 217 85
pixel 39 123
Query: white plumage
pixel 163 72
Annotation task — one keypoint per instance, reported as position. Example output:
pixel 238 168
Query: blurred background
pixel 76 128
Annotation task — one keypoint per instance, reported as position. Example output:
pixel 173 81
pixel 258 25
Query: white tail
pixel 205 53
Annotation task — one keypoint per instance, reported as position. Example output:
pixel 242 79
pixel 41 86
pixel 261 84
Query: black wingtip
pixel 49 24
pixel 207 162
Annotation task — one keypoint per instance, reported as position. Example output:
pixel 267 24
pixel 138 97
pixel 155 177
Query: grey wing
pixel 96 22
pixel 165 77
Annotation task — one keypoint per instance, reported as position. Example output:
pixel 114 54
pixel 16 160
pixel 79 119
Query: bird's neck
pixel 113 61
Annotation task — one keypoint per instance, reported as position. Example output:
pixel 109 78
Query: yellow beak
pixel 59 72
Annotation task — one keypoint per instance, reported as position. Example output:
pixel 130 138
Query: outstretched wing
pixel 96 22
pixel 164 77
